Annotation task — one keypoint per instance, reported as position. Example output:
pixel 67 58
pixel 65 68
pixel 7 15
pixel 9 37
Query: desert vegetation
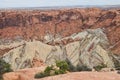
pixel 116 61
pixel 4 67
pixel 61 67
pixel 99 67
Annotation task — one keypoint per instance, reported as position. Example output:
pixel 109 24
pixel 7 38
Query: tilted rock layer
pixel 91 50
pixel 36 24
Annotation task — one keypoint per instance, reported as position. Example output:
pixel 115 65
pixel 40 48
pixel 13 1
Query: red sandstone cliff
pixel 37 23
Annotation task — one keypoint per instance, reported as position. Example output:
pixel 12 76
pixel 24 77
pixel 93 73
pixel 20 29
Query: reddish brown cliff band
pixel 37 23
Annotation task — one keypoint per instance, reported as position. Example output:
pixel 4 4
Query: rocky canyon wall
pixel 84 36
pixel 38 24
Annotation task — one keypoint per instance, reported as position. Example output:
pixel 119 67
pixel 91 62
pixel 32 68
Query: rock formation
pixel 84 36
pixel 91 50
pixel 37 24
pixel 35 38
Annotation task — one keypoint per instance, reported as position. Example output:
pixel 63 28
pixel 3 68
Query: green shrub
pixel 62 71
pixel 99 67
pixel 82 68
pixel 4 67
pixel 62 65
pixel 115 58
pixel 57 72
pixel 77 68
pixel 50 70
pixel 40 75
pixel 117 66
pixel 71 67
pixel 116 62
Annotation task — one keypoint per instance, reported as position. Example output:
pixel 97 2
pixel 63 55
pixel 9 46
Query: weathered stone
pixel 91 50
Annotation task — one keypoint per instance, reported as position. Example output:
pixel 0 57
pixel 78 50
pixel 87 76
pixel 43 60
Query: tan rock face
pixel 91 49
pixel 26 55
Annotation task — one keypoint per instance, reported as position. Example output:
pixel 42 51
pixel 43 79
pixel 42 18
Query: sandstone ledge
pixel 28 74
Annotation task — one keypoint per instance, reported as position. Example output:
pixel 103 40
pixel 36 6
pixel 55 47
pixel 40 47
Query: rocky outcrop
pixel 91 49
pixel 24 55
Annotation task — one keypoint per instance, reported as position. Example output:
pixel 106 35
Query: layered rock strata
pixel 91 50
pixel 37 24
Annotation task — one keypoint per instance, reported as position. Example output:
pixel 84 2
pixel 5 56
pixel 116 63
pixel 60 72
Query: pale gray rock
pixel 91 50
